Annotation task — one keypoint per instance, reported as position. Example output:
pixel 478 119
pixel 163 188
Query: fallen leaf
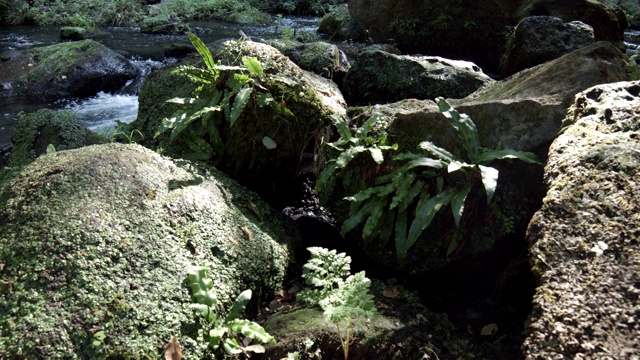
pixel 421 317
pixel 254 208
pixel 469 329
pixel 489 330
pixel 173 351
pixel 233 240
pixel 391 292
pixel 258 349
pixel 246 232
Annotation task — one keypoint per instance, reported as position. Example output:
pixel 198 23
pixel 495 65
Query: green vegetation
pixel 341 295
pixel 216 331
pixel 225 95
pixel 304 7
pixel 633 68
pixel 415 187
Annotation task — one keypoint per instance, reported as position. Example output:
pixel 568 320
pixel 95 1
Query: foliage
pixel 418 184
pixel 225 95
pixel 221 334
pixel 633 68
pixel 304 7
pixel 342 296
pixel 85 13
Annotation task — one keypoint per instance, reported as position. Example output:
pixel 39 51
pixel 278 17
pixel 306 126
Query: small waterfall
pixel 101 112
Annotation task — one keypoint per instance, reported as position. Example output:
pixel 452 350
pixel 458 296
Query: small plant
pixel 409 187
pixel 340 295
pixel 633 68
pixel 221 333
pixel 220 100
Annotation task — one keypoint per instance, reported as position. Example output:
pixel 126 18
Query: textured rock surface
pixel 538 39
pixel 381 77
pixel 319 57
pixel 99 239
pixel 67 70
pixel 524 112
pixel 585 241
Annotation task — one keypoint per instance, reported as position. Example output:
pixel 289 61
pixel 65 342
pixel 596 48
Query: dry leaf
pixel 489 330
pixel 391 292
pixel 469 329
pixel 421 317
pixel 254 208
pixel 173 351
pixel 233 240
pixel 246 232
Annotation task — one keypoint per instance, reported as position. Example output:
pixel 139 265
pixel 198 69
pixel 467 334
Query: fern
pixel 386 205
pixel 223 96
pixel 340 295
pixel 219 333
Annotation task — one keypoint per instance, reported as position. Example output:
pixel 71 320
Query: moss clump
pixel 164 24
pixel 96 246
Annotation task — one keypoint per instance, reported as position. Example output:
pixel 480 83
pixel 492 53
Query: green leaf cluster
pixel 225 94
pixel 221 333
pixel 341 296
pixel 403 202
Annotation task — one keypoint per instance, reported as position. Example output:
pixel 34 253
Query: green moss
pixel 55 60
pixel 82 242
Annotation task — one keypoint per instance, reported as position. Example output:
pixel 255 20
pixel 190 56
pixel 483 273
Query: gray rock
pixel 381 77
pixel 99 239
pixel 523 112
pixel 320 57
pixel 584 242
pixel 538 39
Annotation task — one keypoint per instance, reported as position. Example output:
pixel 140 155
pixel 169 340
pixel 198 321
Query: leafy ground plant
pixel 221 334
pixel 224 94
pixel 342 296
pixel 401 202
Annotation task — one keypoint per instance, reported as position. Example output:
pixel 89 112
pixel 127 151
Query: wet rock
pixel 381 77
pixel 585 242
pixel 523 112
pixel 473 30
pixel 178 51
pixel 69 70
pixel 538 39
pixel 100 239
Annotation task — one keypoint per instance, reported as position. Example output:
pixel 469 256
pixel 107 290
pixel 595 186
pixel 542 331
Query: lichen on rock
pixel 97 241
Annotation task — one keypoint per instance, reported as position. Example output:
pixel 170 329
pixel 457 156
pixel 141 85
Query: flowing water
pixel 145 52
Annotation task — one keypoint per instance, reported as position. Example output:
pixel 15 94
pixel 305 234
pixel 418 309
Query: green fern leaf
pixel 373 220
pixel 240 102
pixel 437 151
pixel 376 155
pixel 359 216
pixel 348 155
pixel 457 203
pixel 203 50
pixel 253 65
pixel 425 213
pixel 489 180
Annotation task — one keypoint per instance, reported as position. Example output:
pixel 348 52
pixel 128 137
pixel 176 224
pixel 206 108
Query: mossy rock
pixel 164 24
pixel 73 33
pixel 339 25
pixel 97 241
pixel 68 70
pixel 249 16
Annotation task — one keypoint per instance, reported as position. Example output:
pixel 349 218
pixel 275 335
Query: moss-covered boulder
pixel 380 77
pixel 72 33
pixel 312 99
pixel 338 24
pixel 584 241
pixel 36 131
pixel 523 112
pixel 164 24
pixel 319 57
pixel 95 244
pixel 67 70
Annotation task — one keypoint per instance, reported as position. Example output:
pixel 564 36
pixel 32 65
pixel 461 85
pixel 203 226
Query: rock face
pixel 381 77
pixel 585 241
pixel 313 100
pixel 98 240
pixel 472 30
pixel 319 57
pixel 538 39
pixel 524 112
pixel 68 70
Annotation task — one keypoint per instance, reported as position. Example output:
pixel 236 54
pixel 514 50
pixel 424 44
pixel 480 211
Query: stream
pixel 145 51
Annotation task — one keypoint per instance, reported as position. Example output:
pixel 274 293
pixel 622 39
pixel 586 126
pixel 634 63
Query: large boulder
pixel 319 57
pixel 523 112
pixel 312 99
pixel 538 39
pixel 68 70
pixel 472 30
pixel 585 241
pixel 95 244
pixel 381 77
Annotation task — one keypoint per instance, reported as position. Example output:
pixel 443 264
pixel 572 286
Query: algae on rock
pixel 96 242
